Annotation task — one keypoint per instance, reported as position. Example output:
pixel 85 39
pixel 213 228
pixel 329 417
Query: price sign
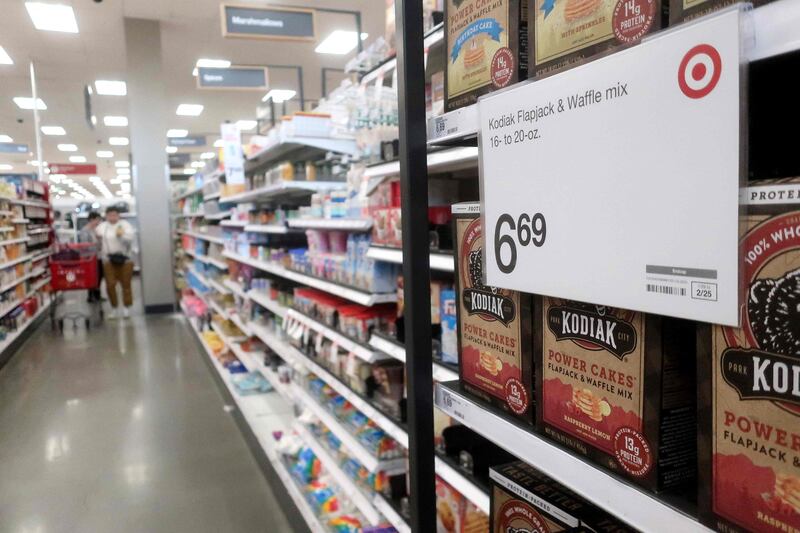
pixel 617 182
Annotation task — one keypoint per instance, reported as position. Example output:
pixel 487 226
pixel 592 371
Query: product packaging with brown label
pixel 487 47
pixel 750 377
pixel 494 326
pixel 524 499
pixel 681 10
pixel 619 387
pixel 567 32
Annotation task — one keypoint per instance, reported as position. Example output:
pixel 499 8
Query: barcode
pixel 666 289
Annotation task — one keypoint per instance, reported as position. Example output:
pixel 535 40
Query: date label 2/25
pixel 510 232
pixel 704 291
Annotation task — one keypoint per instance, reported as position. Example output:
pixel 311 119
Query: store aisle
pixel 123 429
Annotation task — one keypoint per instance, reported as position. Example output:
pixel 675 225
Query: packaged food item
pixel 567 32
pixel 524 499
pixel 449 327
pixel 455 513
pixel 437 93
pixel 681 10
pixel 619 387
pixel 750 380
pixel 487 48
pixel 494 336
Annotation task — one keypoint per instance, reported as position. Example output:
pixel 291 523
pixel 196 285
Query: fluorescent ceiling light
pixel 212 63
pixel 53 130
pixel 118 141
pixel 208 155
pixel 246 125
pixel 5 59
pixel 26 102
pixel 111 120
pixel 67 148
pixel 177 133
pixel 35 163
pixel 122 164
pixel 194 72
pixel 219 143
pixel 126 186
pixel 198 164
pixel 123 171
pixel 77 159
pixel 189 171
pixel 105 154
pixel 6 139
pixel 339 42
pixel 111 87
pixel 5 167
pixel 189 110
pixel 172 149
pixel 279 95
pixel 52 17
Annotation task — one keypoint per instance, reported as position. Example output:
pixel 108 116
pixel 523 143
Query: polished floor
pixel 122 429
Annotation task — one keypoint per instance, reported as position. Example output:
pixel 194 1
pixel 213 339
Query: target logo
pixel 699 71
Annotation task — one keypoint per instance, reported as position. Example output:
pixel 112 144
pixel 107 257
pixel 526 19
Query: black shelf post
pixel 416 261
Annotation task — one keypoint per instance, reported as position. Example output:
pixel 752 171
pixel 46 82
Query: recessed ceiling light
pixel 279 95
pixel 189 171
pixel 172 149
pixel 123 177
pixel 122 164
pixel 208 155
pixel 339 42
pixel 189 110
pixel 118 141
pixel 35 163
pixel 198 164
pixel 111 87
pixel 212 63
pixel 5 59
pixel 6 139
pixel 123 171
pixel 67 148
pixel 111 120
pixel 5 167
pixel 246 125
pixel 105 154
pixel 177 133
pixel 53 130
pixel 219 143
pixel 26 102
pixel 77 159
pixel 52 17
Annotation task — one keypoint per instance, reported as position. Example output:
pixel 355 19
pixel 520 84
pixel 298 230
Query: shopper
pixel 89 235
pixel 116 236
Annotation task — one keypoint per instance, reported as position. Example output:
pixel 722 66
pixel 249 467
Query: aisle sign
pixel 14 148
pixel 252 78
pixel 617 182
pixel 233 157
pixel 72 168
pixel 189 140
pixel 271 22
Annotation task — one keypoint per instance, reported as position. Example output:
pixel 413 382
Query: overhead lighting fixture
pixel 198 164
pixel 77 159
pixel 111 87
pixel 26 102
pixel 111 120
pixel 105 154
pixel 122 164
pixel 118 141
pixel 5 167
pixel 219 143
pixel 67 148
pixel 52 17
pixel 172 149
pixel 123 171
pixel 246 125
pixel 6 139
pixel 5 59
pixel 212 63
pixel 177 133
pixel 339 42
pixel 195 72
pixel 189 110
pixel 53 130
pixel 35 163
pixel 208 155
pixel 279 95
pixel 189 171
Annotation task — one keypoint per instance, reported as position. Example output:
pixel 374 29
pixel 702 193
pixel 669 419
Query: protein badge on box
pixel 494 337
pixel 754 382
pixel 619 387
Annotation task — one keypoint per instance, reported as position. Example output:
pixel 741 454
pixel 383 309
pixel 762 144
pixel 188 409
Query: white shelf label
pixel 617 182
pixel 453 405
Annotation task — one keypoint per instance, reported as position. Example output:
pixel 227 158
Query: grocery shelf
pixel 447 160
pixel 439 261
pixel 235 288
pixel 212 196
pixel 463 484
pixel 266 228
pixel 283 189
pixel 266 302
pixel 217 286
pixel 353 491
pixel 218 216
pixel 12 336
pixel 20 221
pixel 202 236
pixel 312 521
pixel 343 224
pixel 207 260
pixel 394 518
pixel 188 193
pixel 236 319
pixel 6 229
pixel 231 342
pixel 29 203
pixel 637 508
pixel 217 308
pixel 38 285
pixel 434 36
pixel 234 223
pixel 299 149
pixel 39 230
pixel 348 293
pixel 21 279
pixel 14 241
pixel 16 261
pixel 196 214
pixel 397 351
pixel 346 343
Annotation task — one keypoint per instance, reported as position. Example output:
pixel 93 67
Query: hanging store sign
pixel 251 78
pixel 179 160
pixel 233 156
pixel 617 182
pixel 14 148
pixel 191 140
pixel 251 22
pixel 70 168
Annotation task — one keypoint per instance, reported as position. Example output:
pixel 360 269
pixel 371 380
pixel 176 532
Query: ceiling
pixel 190 29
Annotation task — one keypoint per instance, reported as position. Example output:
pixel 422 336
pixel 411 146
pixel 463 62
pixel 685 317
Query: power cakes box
pixel 487 47
pixel 494 336
pixel 750 382
pixel 619 387
pixel 525 500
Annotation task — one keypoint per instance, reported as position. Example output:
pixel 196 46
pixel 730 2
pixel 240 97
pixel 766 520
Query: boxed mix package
pixel 750 380
pixel 494 335
pixel 619 387
pixel 567 32
pixel 487 48
pixel 680 10
pixel 524 499
pixel 455 513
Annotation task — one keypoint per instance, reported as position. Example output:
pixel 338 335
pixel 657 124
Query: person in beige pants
pixel 116 236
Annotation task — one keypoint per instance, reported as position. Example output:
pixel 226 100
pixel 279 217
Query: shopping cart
pixel 73 267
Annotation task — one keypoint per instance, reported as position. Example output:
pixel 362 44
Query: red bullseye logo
pixel 699 71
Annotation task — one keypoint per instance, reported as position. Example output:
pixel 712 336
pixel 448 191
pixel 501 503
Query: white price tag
pixel 617 182
pixel 453 405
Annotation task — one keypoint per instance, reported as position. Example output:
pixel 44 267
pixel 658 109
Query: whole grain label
pixel 512 515
pixel 477 32
pixel 491 355
pixel 593 369
pixel 756 448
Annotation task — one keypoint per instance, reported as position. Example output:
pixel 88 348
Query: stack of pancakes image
pixel 578 9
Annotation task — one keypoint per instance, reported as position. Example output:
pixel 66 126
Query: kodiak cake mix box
pixel 525 500
pixel 494 336
pixel 567 32
pixel 751 378
pixel 487 47
pixel 619 387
